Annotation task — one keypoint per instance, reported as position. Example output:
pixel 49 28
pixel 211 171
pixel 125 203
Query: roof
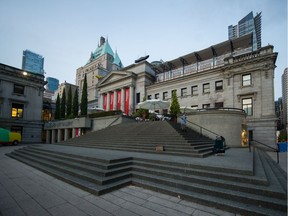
pixel 117 60
pixel 101 50
pixel 213 51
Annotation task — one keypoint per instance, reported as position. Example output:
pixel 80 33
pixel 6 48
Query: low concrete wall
pixel 103 122
pixel 82 122
pixel 227 123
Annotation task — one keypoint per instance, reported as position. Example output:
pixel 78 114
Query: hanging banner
pixel 127 97
pixel 111 100
pixel 105 102
pixel 118 100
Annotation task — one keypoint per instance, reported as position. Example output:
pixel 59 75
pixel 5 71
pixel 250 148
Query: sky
pixel 66 32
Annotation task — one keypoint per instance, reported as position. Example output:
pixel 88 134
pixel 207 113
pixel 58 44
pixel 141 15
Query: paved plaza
pixel 27 191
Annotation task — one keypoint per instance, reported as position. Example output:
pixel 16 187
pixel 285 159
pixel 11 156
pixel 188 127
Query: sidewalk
pixel 27 191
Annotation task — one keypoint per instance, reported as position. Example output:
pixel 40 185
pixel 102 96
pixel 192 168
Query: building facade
pixel 246 25
pixel 33 62
pixel 101 62
pixel 285 97
pixel 21 102
pixel 229 74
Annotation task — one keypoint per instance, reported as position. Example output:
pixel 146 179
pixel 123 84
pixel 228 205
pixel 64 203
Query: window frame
pixel 219 88
pixel 183 92
pixel 205 89
pixel 18 89
pixel 193 91
pixel 156 96
pixel 16 107
pixel 165 95
pixel 246 107
pixel 245 81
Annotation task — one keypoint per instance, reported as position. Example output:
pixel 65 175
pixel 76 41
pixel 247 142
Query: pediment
pixel 115 76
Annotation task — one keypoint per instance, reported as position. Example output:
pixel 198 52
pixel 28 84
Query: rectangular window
pixel 17 110
pixel 194 90
pixel 138 98
pixel 206 106
pixel 157 96
pixel 247 106
pixel 149 97
pixel 184 92
pixel 219 105
pixel 165 95
pixel 173 91
pixel 246 80
pixel 206 88
pixel 18 89
pixel 218 85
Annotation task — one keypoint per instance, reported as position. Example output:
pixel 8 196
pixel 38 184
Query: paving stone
pixel 7 202
pixel 32 208
pixel 102 203
pixel 132 191
pixel 66 209
pixel 124 212
pixel 14 211
pixel 113 199
pixel 172 205
pixel 92 210
pixel 140 209
pixel 48 199
pixel 129 197
pixel 164 209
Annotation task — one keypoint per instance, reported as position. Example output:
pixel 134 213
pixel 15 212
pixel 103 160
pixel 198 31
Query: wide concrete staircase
pixel 261 191
pixel 145 137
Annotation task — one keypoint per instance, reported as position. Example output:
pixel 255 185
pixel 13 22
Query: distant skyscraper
pixel 248 24
pixel 52 84
pixel 33 62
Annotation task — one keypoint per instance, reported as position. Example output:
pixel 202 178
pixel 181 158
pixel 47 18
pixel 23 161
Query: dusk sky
pixel 65 32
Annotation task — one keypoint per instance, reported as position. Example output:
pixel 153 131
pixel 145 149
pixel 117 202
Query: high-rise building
pixel 52 84
pixel 33 62
pixel 284 97
pixel 248 24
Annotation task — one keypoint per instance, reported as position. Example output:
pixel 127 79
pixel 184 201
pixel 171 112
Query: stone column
pixel 59 135
pixel 66 134
pixel 53 136
pixel 48 136
pixel 115 100
pixel 131 100
pixel 100 102
pixel 73 133
pixel 122 99
pixel 108 101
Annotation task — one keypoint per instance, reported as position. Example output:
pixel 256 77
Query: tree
pixel 63 105
pixel 175 107
pixel 57 111
pixel 69 103
pixel 75 104
pixel 84 99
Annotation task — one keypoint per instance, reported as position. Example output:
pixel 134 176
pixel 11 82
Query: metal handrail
pixel 202 128
pixel 274 149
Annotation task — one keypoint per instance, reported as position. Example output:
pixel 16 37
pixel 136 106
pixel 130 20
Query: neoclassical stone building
pixel 228 74
pixel 21 102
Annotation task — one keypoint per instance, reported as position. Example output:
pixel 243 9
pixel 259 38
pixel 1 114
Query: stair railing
pixel 263 144
pixel 201 129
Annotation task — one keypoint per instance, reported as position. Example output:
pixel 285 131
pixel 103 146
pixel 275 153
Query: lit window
pixel 194 90
pixel 206 106
pixel 18 89
pixel 246 80
pixel 218 85
pixel 206 88
pixel 183 92
pixel 247 106
pixel 17 110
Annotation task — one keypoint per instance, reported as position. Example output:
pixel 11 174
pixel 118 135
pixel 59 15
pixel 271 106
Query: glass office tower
pixel 245 26
pixel 52 84
pixel 33 62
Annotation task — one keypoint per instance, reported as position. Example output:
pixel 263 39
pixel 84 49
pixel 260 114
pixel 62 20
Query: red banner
pixel 105 102
pixel 118 100
pixel 127 97
pixel 111 100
